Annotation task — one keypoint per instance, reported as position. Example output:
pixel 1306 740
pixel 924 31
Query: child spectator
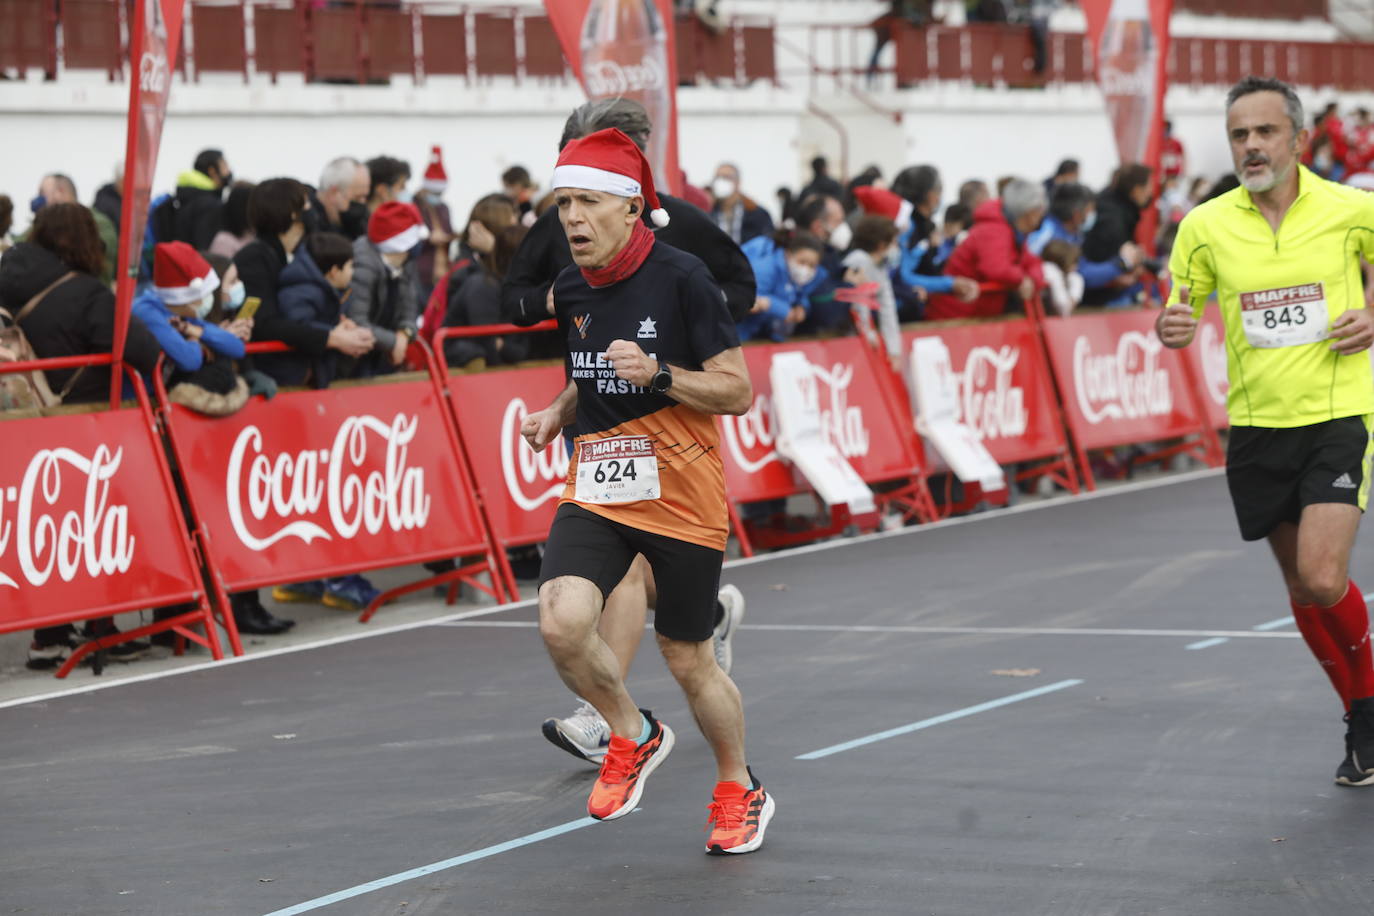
pixel 385 297
pixel 958 219
pixel 875 247
pixel 314 287
pixel 784 265
pixel 174 309
pixel 1064 282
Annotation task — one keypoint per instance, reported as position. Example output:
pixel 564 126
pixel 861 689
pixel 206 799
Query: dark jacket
pixel 474 302
pixel 379 301
pixel 1117 217
pixel 109 202
pixel 194 215
pixel 306 298
pixel 260 265
pixel 753 220
pixel 993 253
pixel 76 318
pixel 544 253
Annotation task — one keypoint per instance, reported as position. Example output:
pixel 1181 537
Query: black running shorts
pixel 1274 473
pixel 687 575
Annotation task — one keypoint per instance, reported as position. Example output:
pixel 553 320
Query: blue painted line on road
pixel 1274 624
pixel 430 869
pixel 1207 643
pixel 940 720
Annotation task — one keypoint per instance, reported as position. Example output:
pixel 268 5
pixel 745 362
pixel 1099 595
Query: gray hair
pixel 1251 84
pixel 1021 197
pixel 1070 199
pixel 626 115
pixel 339 173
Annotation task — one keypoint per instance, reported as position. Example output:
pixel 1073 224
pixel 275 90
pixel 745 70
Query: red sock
pixel 1324 647
pixel 1347 624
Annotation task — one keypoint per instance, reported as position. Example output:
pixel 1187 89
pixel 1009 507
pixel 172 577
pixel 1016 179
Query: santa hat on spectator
pixel 609 161
pixel 395 226
pixel 180 275
pixel 436 179
pixel 878 202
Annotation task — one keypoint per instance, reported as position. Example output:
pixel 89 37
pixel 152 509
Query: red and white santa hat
pixel 180 275
pixel 609 161
pixel 880 202
pixel 395 226
pixel 436 179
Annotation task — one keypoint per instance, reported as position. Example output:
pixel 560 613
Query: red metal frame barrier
pixel 315 484
pixel 91 524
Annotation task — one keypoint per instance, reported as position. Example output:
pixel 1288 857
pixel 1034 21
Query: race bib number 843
pixel 1287 317
pixel 619 469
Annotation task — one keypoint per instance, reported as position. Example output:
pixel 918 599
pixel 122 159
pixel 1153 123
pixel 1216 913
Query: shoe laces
pixel 727 815
pixel 617 767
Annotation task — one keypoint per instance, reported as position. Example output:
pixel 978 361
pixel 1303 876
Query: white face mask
pixel 722 188
pixel 1089 222
pixel 893 259
pixel 204 306
pixel 801 274
pixel 235 296
pixel 841 236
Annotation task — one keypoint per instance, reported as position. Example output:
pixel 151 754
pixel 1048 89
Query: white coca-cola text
pixel 750 438
pixel 989 403
pixel 94 539
pixel 1128 384
pixel 532 478
pixel 608 78
pixel 358 492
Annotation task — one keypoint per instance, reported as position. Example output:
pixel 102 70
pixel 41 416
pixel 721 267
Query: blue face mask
pixel 1089 222
pixel 38 203
pixel 236 294
pixel 405 197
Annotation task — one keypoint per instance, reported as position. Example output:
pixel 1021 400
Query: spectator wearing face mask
pixel 738 216
pixel 433 262
pixel 389 179
pixel 59 189
pixel 919 275
pixel 1071 216
pixel 385 296
pixel 823 217
pixel 995 253
pixel 177 305
pixel 1112 235
pixel 785 265
pixel 236 231
pixel 340 202
pixel 873 258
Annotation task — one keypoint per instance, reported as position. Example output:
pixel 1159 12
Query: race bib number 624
pixel 1287 317
pixel 618 469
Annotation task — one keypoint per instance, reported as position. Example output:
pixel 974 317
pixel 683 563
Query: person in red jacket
pixel 995 252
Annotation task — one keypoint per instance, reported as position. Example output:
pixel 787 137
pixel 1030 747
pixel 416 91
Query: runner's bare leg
pixel 622 620
pixel 569 608
pixel 715 703
pixel 1314 555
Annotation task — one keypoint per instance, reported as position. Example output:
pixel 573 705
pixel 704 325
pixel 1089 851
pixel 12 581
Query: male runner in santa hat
pixel 652 355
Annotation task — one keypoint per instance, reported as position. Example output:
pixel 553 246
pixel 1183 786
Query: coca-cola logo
pixel 750 438
pixel 606 78
pixel 93 538
pixel 532 478
pixel 1127 384
pixel 989 404
pixel 152 73
pixel 361 483
pixel 1213 355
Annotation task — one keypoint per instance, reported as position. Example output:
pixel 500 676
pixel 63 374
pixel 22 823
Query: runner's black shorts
pixel 1273 474
pixel 687 575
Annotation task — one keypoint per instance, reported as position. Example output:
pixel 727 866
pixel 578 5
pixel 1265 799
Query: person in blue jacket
pixel 1072 213
pixel 785 266
pixel 175 307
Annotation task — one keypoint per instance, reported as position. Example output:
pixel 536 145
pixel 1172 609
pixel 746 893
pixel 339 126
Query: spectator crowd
pixel 353 271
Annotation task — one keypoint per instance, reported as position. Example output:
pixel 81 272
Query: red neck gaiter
pixel 624 264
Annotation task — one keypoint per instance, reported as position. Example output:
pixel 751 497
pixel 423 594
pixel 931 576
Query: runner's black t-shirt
pixel 675 311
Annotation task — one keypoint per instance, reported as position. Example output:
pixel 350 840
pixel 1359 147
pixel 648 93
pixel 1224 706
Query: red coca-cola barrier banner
pixel 87 525
pixel 1208 357
pixel 519 487
pixel 854 413
pixel 1120 385
pixel 1006 395
pixel 314 484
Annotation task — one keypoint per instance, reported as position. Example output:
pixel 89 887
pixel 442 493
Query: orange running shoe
pixel 740 816
pixel 621 781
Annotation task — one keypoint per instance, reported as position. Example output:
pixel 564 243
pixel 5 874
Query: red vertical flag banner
pixel 153 43
pixel 626 48
pixel 1130 41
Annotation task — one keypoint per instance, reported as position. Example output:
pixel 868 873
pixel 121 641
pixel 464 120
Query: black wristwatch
pixel 662 380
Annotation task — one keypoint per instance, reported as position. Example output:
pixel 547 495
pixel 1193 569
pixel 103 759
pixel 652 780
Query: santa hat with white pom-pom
pixel 609 161
pixel 180 275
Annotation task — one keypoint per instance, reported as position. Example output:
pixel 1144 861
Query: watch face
pixel 661 382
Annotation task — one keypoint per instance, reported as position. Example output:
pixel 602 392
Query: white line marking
pixel 1274 624
pixel 1207 643
pixel 433 867
pixel 940 720
pixel 1068 499
pixel 936 631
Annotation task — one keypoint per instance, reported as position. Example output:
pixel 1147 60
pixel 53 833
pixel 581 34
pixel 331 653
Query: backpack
pixel 29 390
